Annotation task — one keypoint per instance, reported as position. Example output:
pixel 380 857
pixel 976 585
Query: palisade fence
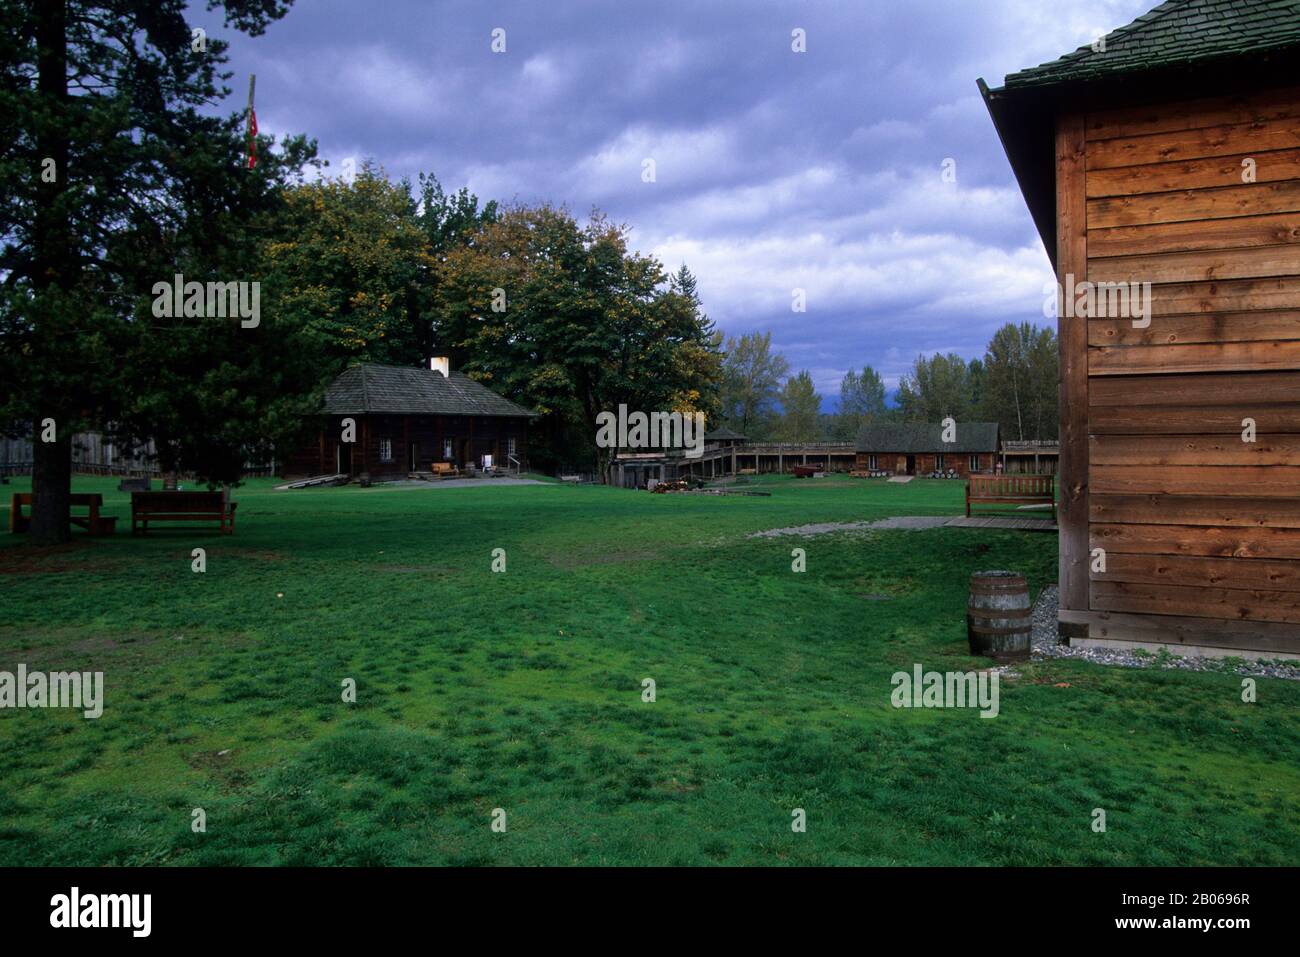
pixel 93 454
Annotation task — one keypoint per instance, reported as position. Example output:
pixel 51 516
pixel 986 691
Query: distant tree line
pixel 1014 384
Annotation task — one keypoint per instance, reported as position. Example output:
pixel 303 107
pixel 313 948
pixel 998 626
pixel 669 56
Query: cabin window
pixel 974 463
pixel 385 450
pixel 938 461
pixel 510 446
pixel 871 463
pixel 446 450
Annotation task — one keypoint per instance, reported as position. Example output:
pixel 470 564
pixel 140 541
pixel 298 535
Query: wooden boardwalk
pixel 1000 521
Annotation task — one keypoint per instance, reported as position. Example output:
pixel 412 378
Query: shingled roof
pixel 1181 50
pixel 926 438
pixel 1175 33
pixel 404 390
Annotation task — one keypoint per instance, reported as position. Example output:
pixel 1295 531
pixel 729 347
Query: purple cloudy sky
pixel 775 170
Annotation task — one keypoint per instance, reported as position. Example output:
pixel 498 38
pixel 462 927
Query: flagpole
pixel 252 85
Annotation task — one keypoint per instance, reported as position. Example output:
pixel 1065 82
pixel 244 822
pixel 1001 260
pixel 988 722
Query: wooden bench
pixel 444 470
pixel 1011 490
pixel 135 485
pixel 149 507
pixel 92 521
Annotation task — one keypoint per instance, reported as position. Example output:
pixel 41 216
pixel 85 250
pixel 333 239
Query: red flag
pixel 252 138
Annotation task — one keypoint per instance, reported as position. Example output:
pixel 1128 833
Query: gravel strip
pixel 1045 643
pixel 904 522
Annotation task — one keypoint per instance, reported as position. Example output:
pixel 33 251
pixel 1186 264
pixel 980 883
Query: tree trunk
pixel 53 262
pixel 51 487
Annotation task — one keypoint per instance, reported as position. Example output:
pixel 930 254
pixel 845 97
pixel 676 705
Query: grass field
pixel 523 691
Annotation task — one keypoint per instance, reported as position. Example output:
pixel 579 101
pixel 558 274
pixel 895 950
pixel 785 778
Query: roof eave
pixel 1020 142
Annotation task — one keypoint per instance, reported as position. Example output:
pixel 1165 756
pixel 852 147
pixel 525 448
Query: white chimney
pixel 441 364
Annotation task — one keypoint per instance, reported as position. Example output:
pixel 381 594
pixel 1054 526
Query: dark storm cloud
pixel 775 170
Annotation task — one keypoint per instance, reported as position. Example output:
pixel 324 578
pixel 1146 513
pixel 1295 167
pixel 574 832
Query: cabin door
pixel 911 465
pixel 344 458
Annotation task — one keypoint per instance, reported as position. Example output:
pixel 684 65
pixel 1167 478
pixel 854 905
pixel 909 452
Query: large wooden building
pixel 1168 153
pixel 405 419
pixel 907 448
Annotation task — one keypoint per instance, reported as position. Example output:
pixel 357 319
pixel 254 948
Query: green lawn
pixel 523 691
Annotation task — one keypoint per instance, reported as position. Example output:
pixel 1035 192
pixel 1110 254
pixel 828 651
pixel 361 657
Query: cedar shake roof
pixel 404 390
pixel 1175 33
pixel 1181 50
pixel 927 438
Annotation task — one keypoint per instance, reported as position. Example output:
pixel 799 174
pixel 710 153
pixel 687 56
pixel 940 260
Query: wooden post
pixel 1072 261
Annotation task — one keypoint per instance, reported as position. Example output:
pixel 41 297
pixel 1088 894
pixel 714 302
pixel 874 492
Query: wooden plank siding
pixel 1209 541
pixel 1172 146
pixel 1262 107
pixel 1215 328
pixel 1212 172
pixel 1198 525
pixel 1195 205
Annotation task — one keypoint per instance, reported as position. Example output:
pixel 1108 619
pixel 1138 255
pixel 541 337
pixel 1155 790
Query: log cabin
pixel 406 419
pixel 907 448
pixel 1168 153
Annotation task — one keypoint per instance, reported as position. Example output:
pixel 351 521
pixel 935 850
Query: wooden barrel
pixel 999 618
